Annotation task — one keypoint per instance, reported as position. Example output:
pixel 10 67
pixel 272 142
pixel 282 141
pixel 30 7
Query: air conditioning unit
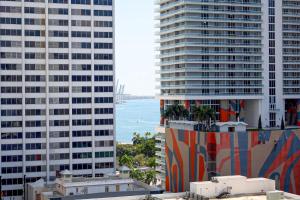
pixel 275 195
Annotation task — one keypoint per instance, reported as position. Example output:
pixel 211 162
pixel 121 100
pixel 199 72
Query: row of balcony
pixel 207 11
pixel 207 19
pixel 199 27
pixel 208 36
pixel 196 78
pixel 184 61
pixel 199 69
pixel 187 52
pixel 204 86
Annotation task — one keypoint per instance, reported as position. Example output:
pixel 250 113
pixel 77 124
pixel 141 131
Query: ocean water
pixel 139 116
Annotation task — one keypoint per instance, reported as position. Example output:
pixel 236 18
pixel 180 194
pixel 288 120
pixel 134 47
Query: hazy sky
pixel 135 65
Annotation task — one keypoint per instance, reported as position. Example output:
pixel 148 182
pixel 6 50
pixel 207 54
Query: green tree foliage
pixel 137 174
pixel 176 112
pixel 126 160
pixel 150 177
pixel 204 115
pixel 140 153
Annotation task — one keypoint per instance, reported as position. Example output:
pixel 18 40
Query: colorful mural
pixel 193 156
pixel 230 110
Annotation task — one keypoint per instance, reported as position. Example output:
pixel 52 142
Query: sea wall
pixel 196 156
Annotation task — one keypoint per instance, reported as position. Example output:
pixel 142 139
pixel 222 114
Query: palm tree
pixel 126 160
pixel 199 115
pixel 204 115
pixel 136 139
pixel 176 112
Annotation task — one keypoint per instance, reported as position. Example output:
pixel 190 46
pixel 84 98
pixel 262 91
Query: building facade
pixel 232 56
pixel 57 96
pixel 193 156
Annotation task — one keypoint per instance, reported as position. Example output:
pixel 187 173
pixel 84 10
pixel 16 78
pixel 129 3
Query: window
pixel 14 158
pixel 11 101
pixel 59 156
pixel 37 123
pixel 11 32
pixel 103 23
pixel 82 133
pixel 103 67
pixel 81 34
pixel 103 89
pixel 35 101
pixel 82 166
pixel 103 45
pixel 103 110
pixel 58 1
pixel 59 145
pixel 11 78
pixel 103 132
pixel 104 154
pixel 58 22
pixel 81 78
pixel 103 2
pixel 81 56
pixel 102 12
pixel 102 56
pixel 59 122
pixel 34 33
pixel 62 89
pixel 103 34
pixel 9 136
pixel 59 134
pixel 34 21
pixel 105 143
pixel 58 34
pixel 11 170
pixel 84 12
pixel 4 20
pixel 104 165
pixel 11 147
pixel 103 99
pixel 81 2
pixel 81 100
pixel 82 155
pixel 82 122
pixel 58 100
pixel 59 56
pixel 35 134
pixel 81 111
pixel 11 124
pixel 103 78
pixel 58 11
pixel 35 157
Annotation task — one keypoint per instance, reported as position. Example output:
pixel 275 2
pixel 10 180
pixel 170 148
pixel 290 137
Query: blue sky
pixel 135 64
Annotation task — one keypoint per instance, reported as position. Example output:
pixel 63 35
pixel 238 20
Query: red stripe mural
pixel 197 156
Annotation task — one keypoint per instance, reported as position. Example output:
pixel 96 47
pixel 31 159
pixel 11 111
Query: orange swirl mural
pixel 193 156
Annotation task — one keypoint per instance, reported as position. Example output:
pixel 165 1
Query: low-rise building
pixel 229 187
pixel 68 188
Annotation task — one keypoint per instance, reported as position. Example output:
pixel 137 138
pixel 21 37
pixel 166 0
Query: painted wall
pixel 193 156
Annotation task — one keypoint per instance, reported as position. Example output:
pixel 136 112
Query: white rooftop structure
pixel 231 187
pixel 68 187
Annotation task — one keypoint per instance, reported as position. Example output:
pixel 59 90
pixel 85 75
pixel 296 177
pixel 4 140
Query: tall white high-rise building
pixel 241 57
pixel 57 98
